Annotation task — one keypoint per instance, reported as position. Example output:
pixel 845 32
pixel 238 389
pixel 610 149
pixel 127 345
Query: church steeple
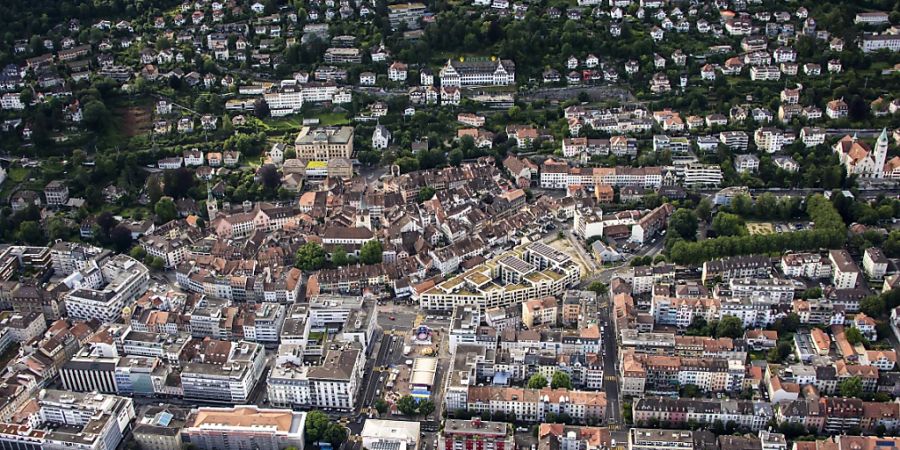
pixel 880 153
pixel 212 208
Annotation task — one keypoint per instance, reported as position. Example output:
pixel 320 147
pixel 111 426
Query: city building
pixel 472 72
pixel 244 426
pixel 476 433
pixel 323 144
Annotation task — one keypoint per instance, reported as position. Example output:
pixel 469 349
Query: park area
pixel 763 228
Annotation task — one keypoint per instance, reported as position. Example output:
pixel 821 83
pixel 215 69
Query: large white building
pixel 531 271
pixel 231 382
pixel 845 270
pixel 500 72
pixel 390 434
pixel 244 427
pixel 652 439
pixel 68 420
pixel 697 174
pixel 11 100
pixel 122 280
pixel 266 324
pixel 768 139
pixel 331 384
pixel 875 42
pixel 465 327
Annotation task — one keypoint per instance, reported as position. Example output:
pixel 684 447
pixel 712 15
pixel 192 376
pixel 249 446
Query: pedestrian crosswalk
pixel 611 378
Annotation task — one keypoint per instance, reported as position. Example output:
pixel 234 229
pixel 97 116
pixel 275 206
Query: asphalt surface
pixel 610 361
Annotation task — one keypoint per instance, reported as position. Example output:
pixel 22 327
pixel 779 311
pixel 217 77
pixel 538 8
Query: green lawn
pixel 329 119
pixel 294 122
pixel 17 174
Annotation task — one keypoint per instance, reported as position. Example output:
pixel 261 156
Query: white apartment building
pixel 265 325
pixel 876 42
pixel 332 384
pixel 765 73
pixel 746 163
pixel 807 265
pixel 68 257
pixel 11 100
pixel 770 140
pixel 230 382
pixel 124 279
pixel 464 326
pixel 697 174
pixel 735 140
pixel 653 439
pixel 244 427
pixel 773 289
pixel 845 270
pixel 812 137
pixel 69 420
pixel 875 263
pixel 551 274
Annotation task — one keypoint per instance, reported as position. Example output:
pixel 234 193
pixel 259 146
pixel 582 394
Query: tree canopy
pixel 310 256
pixel 537 381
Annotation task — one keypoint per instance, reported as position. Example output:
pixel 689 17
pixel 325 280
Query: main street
pixel 610 361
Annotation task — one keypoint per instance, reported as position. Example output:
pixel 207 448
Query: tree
pixel 873 306
pixel 261 108
pixel 178 182
pixel 726 224
pixel 780 352
pixel 138 253
pixel 157 263
pixel 730 326
pixel 789 323
pixel 95 115
pixel 165 210
pixel 269 177
pixel 426 407
pixel 380 405
pixel 561 380
pixel 407 405
pixel 854 336
pixel 154 190
pixel 120 238
pixel 30 232
pixel 310 256
pixel 455 157
pixel 598 287
pixel 851 387
pixel 57 229
pixel 425 194
pixel 815 292
pixel 320 428
pixel 703 209
pixel 339 256
pixel 537 381
pixel 371 252
pixel 684 224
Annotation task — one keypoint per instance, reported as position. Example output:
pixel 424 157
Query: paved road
pixel 610 361
pixel 865 191
pixel 580 250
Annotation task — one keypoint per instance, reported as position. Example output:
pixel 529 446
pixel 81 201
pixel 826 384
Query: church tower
pixel 212 208
pixel 880 153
